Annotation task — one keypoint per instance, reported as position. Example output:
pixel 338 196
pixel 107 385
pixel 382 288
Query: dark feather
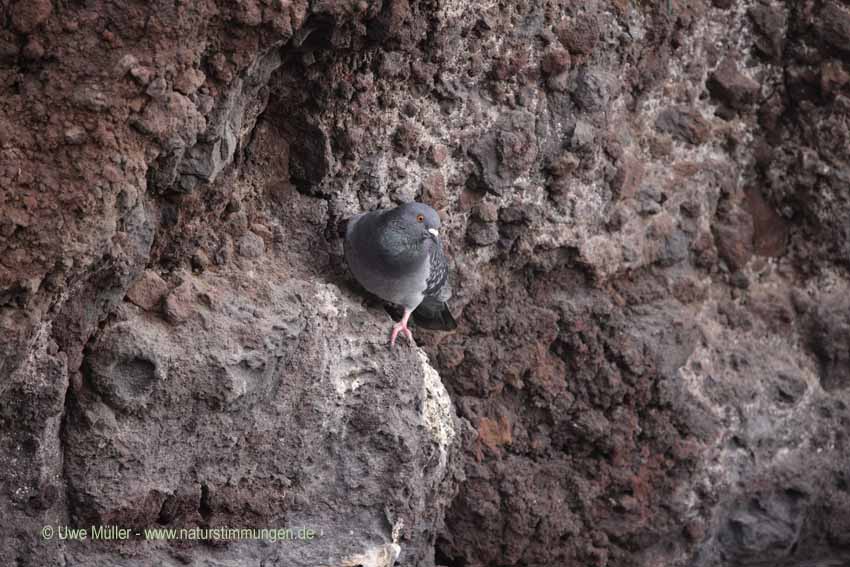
pixel 435 315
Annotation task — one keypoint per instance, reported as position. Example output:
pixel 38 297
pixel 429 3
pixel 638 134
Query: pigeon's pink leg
pixel 402 326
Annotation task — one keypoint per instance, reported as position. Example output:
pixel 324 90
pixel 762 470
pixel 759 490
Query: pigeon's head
pixel 419 220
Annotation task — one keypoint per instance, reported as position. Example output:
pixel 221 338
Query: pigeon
pixel 396 254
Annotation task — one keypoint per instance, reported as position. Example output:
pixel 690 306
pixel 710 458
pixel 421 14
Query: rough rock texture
pixel 213 423
pixel 646 204
pixel 252 393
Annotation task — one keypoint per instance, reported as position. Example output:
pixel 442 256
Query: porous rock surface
pixel 646 205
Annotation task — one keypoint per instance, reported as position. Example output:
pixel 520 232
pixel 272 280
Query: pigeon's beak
pixel 435 232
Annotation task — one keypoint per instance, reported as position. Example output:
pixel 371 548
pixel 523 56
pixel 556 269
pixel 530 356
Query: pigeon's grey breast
pixel 367 262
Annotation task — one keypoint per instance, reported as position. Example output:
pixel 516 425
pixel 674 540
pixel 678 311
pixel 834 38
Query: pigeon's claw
pixel 396 329
pixel 402 326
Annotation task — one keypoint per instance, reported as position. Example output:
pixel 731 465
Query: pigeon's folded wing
pixel 437 284
pixel 433 313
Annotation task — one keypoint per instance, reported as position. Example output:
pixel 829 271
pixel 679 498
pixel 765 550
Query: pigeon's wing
pixel 433 313
pixel 437 285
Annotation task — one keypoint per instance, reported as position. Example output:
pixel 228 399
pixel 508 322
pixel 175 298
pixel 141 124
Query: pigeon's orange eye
pixel 420 218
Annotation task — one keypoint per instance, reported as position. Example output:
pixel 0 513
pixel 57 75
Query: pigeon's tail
pixel 435 315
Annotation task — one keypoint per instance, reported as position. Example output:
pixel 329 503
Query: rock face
pixel 646 205
pixel 262 409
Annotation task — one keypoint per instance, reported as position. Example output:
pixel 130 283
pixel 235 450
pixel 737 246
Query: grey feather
pixel 394 256
pixel 438 275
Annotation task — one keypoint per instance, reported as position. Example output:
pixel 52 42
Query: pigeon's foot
pixel 397 328
pixel 402 326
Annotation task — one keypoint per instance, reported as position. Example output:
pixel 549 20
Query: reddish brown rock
pixel 833 77
pixel 770 22
pixel 628 178
pixel 250 245
pixel 482 233
pixel 142 74
pixel 434 190
pixel 439 153
pixel 579 35
pixel 494 433
pixel 33 50
pixel 189 81
pixel 770 230
pixel 685 124
pixel 200 261
pixel 835 24
pixel 555 60
pixel 178 305
pixel 27 15
pixel 733 233
pixel 147 292
pixel 406 137
pixel 173 121
pixel 731 87
pixel 829 339
pixel 486 211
